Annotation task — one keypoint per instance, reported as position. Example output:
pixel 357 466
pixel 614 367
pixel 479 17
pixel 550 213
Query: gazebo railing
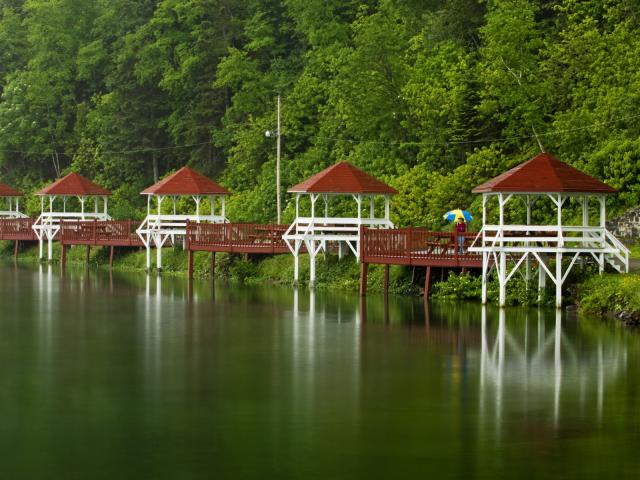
pixel 12 214
pixel 17 229
pixel 552 239
pixel 407 245
pixel 241 237
pixel 341 228
pixel 174 224
pixel 95 232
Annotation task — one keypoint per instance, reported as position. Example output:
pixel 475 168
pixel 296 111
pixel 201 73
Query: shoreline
pixel 609 295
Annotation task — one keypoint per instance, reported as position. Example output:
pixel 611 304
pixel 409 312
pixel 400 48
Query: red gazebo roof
pixel 74 184
pixel 544 173
pixel 185 181
pixel 342 178
pixel 7 191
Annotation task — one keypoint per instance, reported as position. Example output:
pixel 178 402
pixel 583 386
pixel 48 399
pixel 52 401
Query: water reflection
pixel 542 368
pixel 241 380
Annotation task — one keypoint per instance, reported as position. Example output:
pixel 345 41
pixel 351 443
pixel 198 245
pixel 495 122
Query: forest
pixel 432 96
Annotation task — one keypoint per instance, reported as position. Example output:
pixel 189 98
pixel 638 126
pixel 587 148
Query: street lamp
pixel 276 133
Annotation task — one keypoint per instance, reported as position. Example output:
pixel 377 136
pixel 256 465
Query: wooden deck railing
pixel 17 229
pixel 416 246
pixel 236 237
pixel 117 233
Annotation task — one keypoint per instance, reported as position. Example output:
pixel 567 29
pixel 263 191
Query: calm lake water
pixel 145 378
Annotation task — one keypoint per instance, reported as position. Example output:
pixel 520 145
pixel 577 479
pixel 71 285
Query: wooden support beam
pixel 16 247
pixel 190 264
pixel 87 255
pixel 427 282
pixel 213 265
pixel 111 249
pixel 63 256
pixel 386 279
pixel 364 272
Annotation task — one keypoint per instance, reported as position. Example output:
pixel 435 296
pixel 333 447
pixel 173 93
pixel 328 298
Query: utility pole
pixel 271 133
pixel 278 206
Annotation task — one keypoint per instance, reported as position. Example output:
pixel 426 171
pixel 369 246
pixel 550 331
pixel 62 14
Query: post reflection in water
pixel 544 370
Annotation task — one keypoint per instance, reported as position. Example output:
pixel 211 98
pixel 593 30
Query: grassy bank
pixel 612 294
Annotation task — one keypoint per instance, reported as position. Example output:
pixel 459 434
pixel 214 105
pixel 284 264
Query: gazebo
pixel 158 227
pixel 12 198
pixel 74 185
pixel 315 232
pixel 545 178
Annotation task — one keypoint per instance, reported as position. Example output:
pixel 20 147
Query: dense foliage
pixel 433 96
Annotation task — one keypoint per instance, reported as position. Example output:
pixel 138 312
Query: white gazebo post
pixel 317 233
pixel 558 181
pixel 47 225
pixel 157 228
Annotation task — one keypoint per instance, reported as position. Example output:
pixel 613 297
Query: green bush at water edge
pixel 616 294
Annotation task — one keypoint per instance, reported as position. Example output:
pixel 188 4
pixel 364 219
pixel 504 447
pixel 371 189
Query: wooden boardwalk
pixel 416 247
pixel 403 246
pixel 236 238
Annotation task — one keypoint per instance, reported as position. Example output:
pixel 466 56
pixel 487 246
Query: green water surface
pixel 129 377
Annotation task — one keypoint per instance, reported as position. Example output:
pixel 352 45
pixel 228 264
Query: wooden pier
pixel 416 247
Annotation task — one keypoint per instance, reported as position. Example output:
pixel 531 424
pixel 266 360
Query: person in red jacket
pixel 461 228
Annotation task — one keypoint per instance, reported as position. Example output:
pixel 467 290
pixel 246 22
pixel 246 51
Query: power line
pixel 464 142
pixel 352 141
pixel 114 152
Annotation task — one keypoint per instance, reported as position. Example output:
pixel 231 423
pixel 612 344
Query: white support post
pixel 527 272
pixel 148 253
pixel 197 199
pixel 387 216
pixel 222 206
pixel 603 225
pixel 485 268
pixel 82 200
pixel 585 222
pixel 296 253
pixel 359 203
pixel 158 253
pixel 585 210
pixel 558 280
pixel 148 205
pixel 311 246
pixel 313 206
pixel 105 200
pixel 542 276
pixel 159 199
pixel 95 205
pixel 173 200
pixel 485 197
pixel 297 206
pixel 502 277
pixel 372 208
pixel 64 204
pixel 501 203
pixel 212 204
pixel 325 197
pixel 561 200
